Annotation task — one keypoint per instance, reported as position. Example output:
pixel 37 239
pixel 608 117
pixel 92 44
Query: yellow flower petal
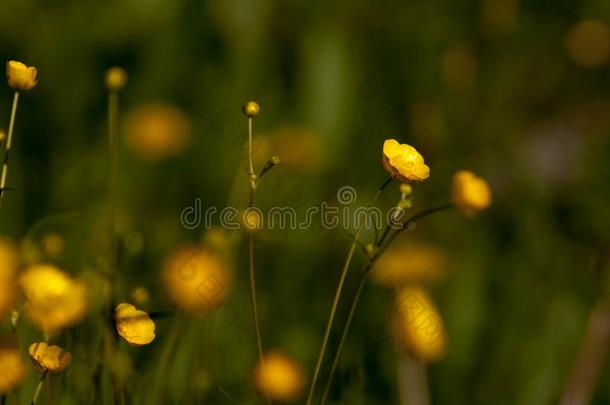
pixel 134 326
pixel 418 327
pixel 404 162
pixel 12 367
pixel 54 300
pixel 280 378
pixel 196 279
pixel 469 192
pixel 51 358
pixel 19 76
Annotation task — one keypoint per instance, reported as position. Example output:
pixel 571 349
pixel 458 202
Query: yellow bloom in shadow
pixel 280 377
pixel 196 279
pixel 588 43
pixel 409 263
pixel 8 268
pixel 19 76
pixel 115 78
pixel 49 358
pixel 404 162
pixel 469 192
pixel 417 326
pixel 54 300
pixel 12 367
pixel 134 326
pixel 157 131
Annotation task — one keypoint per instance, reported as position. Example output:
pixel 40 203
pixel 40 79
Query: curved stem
pixel 354 303
pixel 333 310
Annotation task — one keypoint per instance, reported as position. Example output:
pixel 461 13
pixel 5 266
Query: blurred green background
pixel 515 91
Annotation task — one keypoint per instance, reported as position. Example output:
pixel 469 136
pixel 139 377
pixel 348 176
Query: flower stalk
pixel 362 280
pixel 337 297
pixel 251 109
pixel 7 149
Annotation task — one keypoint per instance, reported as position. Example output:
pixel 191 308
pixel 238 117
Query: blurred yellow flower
pixel 417 325
pixel 588 43
pixel 54 299
pixel 12 367
pixel 280 377
pixel 157 131
pixel 469 192
pixel 252 219
pixel 459 68
pixel 51 358
pixel 134 326
pixel 140 295
pixel 115 78
pixel 19 76
pixel 8 268
pixel 196 279
pixel 297 148
pixel 53 244
pixel 403 162
pixel 408 263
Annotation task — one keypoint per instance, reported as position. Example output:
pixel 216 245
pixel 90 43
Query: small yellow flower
pixel 8 268
pixel 53 244
pixel 469 192
pixel 588 43
pixel 418 327
pixel 134 326
pixel 280 377
pixel 402 264
pixel 252 219
pixel 19 76
pixel 251 109
pixel 51 358
pixel 404 162
pixel 12 367
pixel 157 131
pixel 54 299
pixel 140 295
pixel 196 279
pixel 115 79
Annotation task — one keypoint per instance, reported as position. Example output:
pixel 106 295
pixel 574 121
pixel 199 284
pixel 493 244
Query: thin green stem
pixel 251 269
pixel 356 297
pixel 39 387
pixel 9 143
pixel 113 178
pixel 337 297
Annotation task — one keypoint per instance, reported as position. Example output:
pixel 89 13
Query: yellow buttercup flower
pixel 50 358
pixel 279 377
pixel 12 367
pixel 8 269
pixel 19 76
pixel 115 79
pixel 469 192
pixel 134 326
pixel 418 327
pixel 197 279
pixel 409 263
pixel 54 299
pixel 157 131
pixel 404 162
